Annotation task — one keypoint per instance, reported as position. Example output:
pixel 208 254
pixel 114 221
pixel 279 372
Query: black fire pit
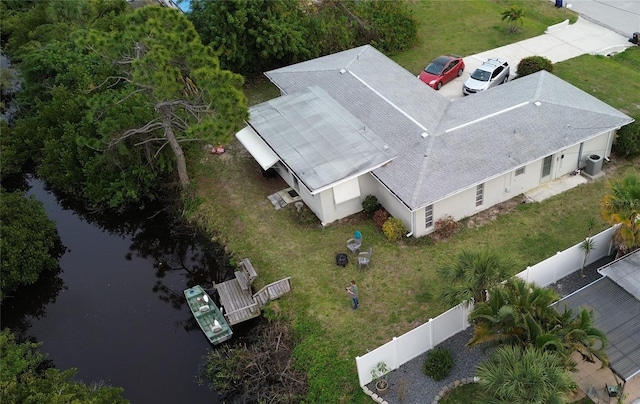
pixel 342 259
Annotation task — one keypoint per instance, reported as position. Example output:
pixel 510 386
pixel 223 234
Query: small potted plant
pixel 378 375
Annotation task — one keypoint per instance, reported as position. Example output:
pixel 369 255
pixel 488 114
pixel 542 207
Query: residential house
pixel 355 123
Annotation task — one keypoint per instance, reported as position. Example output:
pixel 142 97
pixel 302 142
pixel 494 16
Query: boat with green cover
pixel 208 315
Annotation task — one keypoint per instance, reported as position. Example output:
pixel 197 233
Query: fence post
pixel 555 268
pixel 395 353
pixel 431 333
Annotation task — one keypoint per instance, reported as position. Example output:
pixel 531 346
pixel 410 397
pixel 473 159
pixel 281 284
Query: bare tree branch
pixel 160 149
pixel 116 80
pixel 153 139
pixel 149 127
pixel 131 94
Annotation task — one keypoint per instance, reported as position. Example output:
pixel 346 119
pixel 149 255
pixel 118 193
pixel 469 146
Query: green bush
pixel 438 363
pixel 532 64
pixel 370 205
pixel 394 229
pixel 627 143
pixel 388 25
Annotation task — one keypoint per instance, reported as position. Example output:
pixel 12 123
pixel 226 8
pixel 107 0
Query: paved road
pixel 621 16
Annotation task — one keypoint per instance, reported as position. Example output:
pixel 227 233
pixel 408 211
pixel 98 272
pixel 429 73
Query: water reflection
pixel 29 303
pixel 116 309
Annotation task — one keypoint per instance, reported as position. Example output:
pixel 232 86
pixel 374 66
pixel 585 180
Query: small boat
pixel 208 315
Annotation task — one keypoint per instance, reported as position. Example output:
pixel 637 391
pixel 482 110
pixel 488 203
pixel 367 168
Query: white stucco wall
pixel 460 205
pixel 600 145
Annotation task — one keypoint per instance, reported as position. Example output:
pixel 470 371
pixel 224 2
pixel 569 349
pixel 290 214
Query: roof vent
pixel 425 134
pixel 342 71
pixel 538 103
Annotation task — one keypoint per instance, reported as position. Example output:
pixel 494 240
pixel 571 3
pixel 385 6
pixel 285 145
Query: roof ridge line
pixel 397 108
pixel 502 111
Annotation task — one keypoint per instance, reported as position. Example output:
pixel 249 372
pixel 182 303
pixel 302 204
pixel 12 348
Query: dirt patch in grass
pixel 492 213
pixel 610 168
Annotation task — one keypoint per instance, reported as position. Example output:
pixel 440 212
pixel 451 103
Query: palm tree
pixel 521 313
pixel 622 205
pixel 577 333
pixel 516 313
pixel 514 15
pixel 472 275
pixel 586 246
pixel 516 375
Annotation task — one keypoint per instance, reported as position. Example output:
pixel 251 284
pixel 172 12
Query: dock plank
pixel 238 303
pixel 236 295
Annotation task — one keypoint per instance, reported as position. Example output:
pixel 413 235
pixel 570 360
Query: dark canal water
pixel 116 310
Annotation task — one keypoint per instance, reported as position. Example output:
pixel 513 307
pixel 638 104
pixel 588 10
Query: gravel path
pixel 409 385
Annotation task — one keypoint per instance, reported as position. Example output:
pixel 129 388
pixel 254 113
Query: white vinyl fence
pixel 401 350
pixel 568 261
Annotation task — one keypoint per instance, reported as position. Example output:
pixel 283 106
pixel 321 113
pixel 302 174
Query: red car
pixel 442 70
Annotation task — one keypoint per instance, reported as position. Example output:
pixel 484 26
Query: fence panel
pixel 415 342
pixel 385 353
pixel 603 244
pixel 449 323
pixel 401 350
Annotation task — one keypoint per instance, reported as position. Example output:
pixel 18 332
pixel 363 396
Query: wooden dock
pixel 237 299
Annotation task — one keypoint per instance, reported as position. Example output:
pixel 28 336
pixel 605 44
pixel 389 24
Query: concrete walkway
pixel 554 187
pixel 560 42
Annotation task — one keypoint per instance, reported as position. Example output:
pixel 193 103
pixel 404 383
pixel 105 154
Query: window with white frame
pixel 519 171
pixel 479 194
pixel 428 216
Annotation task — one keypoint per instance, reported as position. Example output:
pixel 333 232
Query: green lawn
pixel 468 27
pixel 401 289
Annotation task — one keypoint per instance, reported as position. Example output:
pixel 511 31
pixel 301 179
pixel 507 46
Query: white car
pixel 492 73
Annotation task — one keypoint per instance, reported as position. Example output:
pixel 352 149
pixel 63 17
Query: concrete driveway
pixel 560 42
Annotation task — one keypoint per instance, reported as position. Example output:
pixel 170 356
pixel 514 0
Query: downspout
pixel 607 152
pixel 412 222
pixel 579 156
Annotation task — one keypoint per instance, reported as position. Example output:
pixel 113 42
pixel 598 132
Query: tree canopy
pixel 520 313
pixel 118 102
pixel 26 377
pixel 253 36
pixel 163 67
pixel 472 274
pixel 523 376
pixel 622 206
pixel 30 243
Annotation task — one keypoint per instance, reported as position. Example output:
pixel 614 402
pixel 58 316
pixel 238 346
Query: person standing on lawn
pixel 353 292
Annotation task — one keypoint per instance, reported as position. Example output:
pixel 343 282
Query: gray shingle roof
pixel 468 140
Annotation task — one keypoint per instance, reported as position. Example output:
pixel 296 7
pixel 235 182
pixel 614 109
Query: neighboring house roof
pixel 443 147
pixel 615 311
